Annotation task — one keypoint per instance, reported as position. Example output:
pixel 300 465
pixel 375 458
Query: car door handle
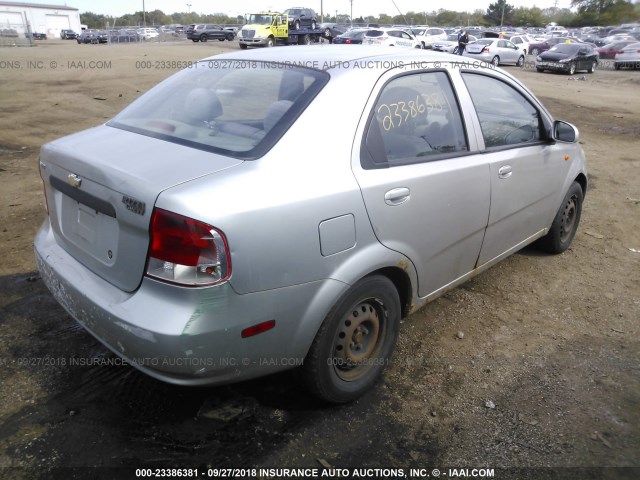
pixel 397 196
pixel 505 171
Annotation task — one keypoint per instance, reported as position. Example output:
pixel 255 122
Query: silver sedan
pixel 218 229
pixel 496 51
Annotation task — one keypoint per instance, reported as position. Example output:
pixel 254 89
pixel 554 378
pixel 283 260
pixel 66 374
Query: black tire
pixel 230 37
pixel 593 67
pixel 520 62
pixel 221 39
pixel 572 68
pixel 455 50
pixel 535 51
pixel 495 61
pixel 540 70
pixel 203 38
pixel 354 343
pixel 296 25
pixel 314 25
pixel 566 222
pixel 327 33
pixel 243 46
pixel 269 43
pixel 195 39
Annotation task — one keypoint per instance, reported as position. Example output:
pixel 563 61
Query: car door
pixel 426 194
pixel 527 170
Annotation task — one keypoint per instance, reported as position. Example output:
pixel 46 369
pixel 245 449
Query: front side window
pixel 415 119
pixel 506 115
pixel 240 112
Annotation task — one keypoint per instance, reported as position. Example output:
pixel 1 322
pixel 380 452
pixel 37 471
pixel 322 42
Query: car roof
pixel 333 57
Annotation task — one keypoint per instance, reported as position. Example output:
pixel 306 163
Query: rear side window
pixel 239 112
pixel 506 116
pixel 416 119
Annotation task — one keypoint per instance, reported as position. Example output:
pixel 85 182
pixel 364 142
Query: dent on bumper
pixel 188 336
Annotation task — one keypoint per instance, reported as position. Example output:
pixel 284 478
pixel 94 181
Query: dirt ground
pixel 534 364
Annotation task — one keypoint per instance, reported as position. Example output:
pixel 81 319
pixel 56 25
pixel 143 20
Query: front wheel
pixel 313 25
pixel 230 37
pixel 572 68
pixel 243 46
pixel 354 343
pixel 566 222
pixel 593 67
pixel 520 62
pixel 535 51
pixel 296 25
pixel 203 38
pixel 269 43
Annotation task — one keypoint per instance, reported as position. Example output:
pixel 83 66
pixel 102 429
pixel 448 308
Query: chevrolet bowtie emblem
pixel 74 180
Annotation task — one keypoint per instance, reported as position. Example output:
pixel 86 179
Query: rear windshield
pixel 375 33
pixel 237 108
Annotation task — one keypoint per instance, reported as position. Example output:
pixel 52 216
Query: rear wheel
pixel 296 25
pixel 313 25
pixel 520 62
pixel 230 37
pixel 243 46
pixel 540 70
pixel 354 343
pixel 495 61
pixel 566 222
pixel 593 67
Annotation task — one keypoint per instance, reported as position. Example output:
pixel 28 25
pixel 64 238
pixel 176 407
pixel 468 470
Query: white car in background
pixel 430 35
pixel 391 37
pixel 450 45
pixel 522 42
pixel 147 33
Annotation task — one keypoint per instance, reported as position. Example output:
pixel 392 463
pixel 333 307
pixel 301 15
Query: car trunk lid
pixel 101 186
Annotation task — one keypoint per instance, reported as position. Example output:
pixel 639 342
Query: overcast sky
pixel 240 7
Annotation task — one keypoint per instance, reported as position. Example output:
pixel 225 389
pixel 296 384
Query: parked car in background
pixel 332 30
pixel 203 32
pixel 391 37
pixel 320 254
pixel 568 58
pixel 543 46
pixel 93 36
pixel 147 33
pixel 301 18
pixel 496 51
pixel 427 36
pixel 609 51
pixel 36 36
pixel 352 37
pixel 522 41
pixel 123 35
pixel 450 45
pixel 629 57
pixel 67 34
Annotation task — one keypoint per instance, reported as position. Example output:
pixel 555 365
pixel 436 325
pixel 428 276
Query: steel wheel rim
pixel 569 215
pixel 359 339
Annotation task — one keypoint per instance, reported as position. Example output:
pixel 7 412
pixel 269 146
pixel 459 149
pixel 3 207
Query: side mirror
pixel 565 132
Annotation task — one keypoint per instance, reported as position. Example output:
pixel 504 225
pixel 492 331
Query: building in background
pixel 16 18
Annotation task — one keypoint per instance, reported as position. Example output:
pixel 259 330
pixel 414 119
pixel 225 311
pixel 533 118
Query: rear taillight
pixel 187 252
pixel 348 40
pixel 485 50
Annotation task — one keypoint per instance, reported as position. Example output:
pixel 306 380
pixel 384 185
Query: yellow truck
pixel 269 29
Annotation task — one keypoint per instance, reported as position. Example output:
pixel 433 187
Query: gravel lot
pixel 533 364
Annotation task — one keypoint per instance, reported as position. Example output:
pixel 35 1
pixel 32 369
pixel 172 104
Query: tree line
pixel 500 13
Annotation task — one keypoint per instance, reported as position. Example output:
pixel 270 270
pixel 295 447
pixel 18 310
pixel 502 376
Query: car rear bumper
pixel 558 67
pixel 188 336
